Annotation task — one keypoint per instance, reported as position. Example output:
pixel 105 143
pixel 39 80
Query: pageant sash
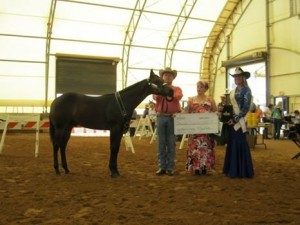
pixel 242 122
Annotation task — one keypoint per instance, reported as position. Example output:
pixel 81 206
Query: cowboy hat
pixel 239 71
pixel 168 70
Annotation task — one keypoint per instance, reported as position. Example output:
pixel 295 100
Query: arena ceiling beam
pixel 48 43
pixel 218 38
pixel 178 27
pixel 129 35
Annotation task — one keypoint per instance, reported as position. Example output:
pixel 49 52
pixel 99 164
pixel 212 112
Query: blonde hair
pixel 245 82
pixel 279 105
pixel 202 83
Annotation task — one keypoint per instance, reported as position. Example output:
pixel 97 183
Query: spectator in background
pixel 294 130
pixel 297 114
pixel 260 113
pixel 152 114
pixel 297 120
pixel 267 119
pixel 146 111
pixel 221 140
pixel 221 104
pixel 223 101
pixel 278 118
pixel 268 114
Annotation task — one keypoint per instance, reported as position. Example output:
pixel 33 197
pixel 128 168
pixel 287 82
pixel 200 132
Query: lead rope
pixel 164 103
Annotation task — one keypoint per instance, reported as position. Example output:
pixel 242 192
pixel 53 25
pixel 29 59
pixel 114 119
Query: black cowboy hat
pixel 239 71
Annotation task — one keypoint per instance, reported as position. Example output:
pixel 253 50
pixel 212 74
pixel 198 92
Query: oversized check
pixel 196 123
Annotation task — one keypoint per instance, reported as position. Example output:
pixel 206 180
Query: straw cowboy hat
pixel 168 70
pixel 239 71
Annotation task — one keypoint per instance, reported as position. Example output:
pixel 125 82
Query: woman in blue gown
pixel 238 160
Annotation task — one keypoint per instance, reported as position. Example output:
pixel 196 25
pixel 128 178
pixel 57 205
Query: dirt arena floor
pixel 31 193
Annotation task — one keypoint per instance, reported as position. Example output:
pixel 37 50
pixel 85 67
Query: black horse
pixel 108 112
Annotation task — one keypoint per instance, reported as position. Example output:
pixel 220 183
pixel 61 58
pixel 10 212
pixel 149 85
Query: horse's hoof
pixel 115 175
pixel 57 173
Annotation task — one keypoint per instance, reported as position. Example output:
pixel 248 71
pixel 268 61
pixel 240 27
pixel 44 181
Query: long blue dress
pixel 238 160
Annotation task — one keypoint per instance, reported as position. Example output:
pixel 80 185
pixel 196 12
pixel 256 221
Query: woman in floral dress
pixel 200 153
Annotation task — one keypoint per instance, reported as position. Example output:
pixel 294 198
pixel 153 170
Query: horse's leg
pixel 64 142
pixel 55 158
pixel 54 141
pixel 115 140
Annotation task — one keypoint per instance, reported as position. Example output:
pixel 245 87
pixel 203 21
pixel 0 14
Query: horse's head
pixel 158 86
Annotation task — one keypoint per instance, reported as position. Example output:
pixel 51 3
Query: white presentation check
pixel 196 123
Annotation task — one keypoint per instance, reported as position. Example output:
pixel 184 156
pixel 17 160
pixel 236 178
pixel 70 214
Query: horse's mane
pixel 133 85
pixel 125 89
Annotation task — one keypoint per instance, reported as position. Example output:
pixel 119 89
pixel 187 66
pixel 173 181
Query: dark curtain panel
pixel 85 75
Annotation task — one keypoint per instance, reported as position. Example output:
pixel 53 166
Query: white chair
pixel 128 142
pixel 143 128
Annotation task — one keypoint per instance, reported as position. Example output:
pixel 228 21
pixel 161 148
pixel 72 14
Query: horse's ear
pixel 151 73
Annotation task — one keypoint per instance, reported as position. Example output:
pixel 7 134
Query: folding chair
pixel 144 128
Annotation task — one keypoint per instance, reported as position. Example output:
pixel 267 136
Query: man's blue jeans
pixel 166 142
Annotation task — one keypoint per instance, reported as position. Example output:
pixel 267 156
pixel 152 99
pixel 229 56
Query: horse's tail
pixel 51 130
